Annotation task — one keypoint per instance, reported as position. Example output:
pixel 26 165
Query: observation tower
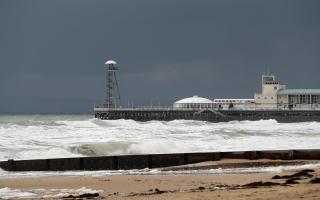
pixel 113 93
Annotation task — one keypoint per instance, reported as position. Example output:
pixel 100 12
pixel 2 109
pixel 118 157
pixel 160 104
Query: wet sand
pixel 204 186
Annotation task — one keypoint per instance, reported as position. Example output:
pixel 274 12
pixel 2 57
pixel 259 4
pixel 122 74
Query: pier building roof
pixel 194 99
pixel 299 92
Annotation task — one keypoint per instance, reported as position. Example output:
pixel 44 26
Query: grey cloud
pixel 53 51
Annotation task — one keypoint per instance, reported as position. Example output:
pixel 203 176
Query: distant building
pixel 273 96
pixel 234 104
pixel 267 99
pixel 299 99
pixel 194 102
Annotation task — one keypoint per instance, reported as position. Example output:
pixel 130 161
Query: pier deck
pixel 167 114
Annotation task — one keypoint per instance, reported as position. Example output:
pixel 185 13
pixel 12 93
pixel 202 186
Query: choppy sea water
pixel 54 136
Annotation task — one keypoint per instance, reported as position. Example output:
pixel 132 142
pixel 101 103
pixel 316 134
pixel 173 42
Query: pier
pixel 126 162
pixel 274 102
pixel 211 115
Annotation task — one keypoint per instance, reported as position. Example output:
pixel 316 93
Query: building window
pixel 315 99
pixel 305 99
pixel 293 99
pixel 302 99
pixel 275 88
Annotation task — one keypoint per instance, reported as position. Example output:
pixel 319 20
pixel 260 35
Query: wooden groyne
pixel 207 115
pixel 127 162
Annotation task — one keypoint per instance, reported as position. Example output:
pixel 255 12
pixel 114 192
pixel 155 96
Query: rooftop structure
pixel 193 102
pixel 267 99
pixel 111 62
pixel 299 91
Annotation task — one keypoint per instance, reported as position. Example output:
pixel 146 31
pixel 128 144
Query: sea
pixel 58 136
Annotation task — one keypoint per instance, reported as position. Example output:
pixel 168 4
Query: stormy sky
pixel 52 53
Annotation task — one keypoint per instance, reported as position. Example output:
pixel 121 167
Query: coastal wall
pixel 209 115
pixel 151 160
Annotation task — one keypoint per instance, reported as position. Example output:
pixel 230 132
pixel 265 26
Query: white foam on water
pixel 272 169
pixel 56 136
pixel 9 193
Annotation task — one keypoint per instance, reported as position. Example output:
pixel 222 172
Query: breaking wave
pixel 51 136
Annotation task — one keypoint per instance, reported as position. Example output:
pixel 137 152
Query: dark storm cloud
pixel 52 52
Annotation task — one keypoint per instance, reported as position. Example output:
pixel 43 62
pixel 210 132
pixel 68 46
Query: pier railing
pixel 143 109
pixel 170 108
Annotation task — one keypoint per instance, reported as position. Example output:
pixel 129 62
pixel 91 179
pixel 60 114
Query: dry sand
pixel 189 187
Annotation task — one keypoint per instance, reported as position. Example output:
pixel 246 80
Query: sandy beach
pixel 257 185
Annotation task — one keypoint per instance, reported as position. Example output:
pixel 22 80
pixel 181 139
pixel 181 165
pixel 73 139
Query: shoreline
pixel 223 166
pixel 175 186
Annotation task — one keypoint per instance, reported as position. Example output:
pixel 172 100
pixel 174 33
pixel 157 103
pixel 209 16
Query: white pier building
pixel 268 98
pixel 194 102
pixel 273 96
